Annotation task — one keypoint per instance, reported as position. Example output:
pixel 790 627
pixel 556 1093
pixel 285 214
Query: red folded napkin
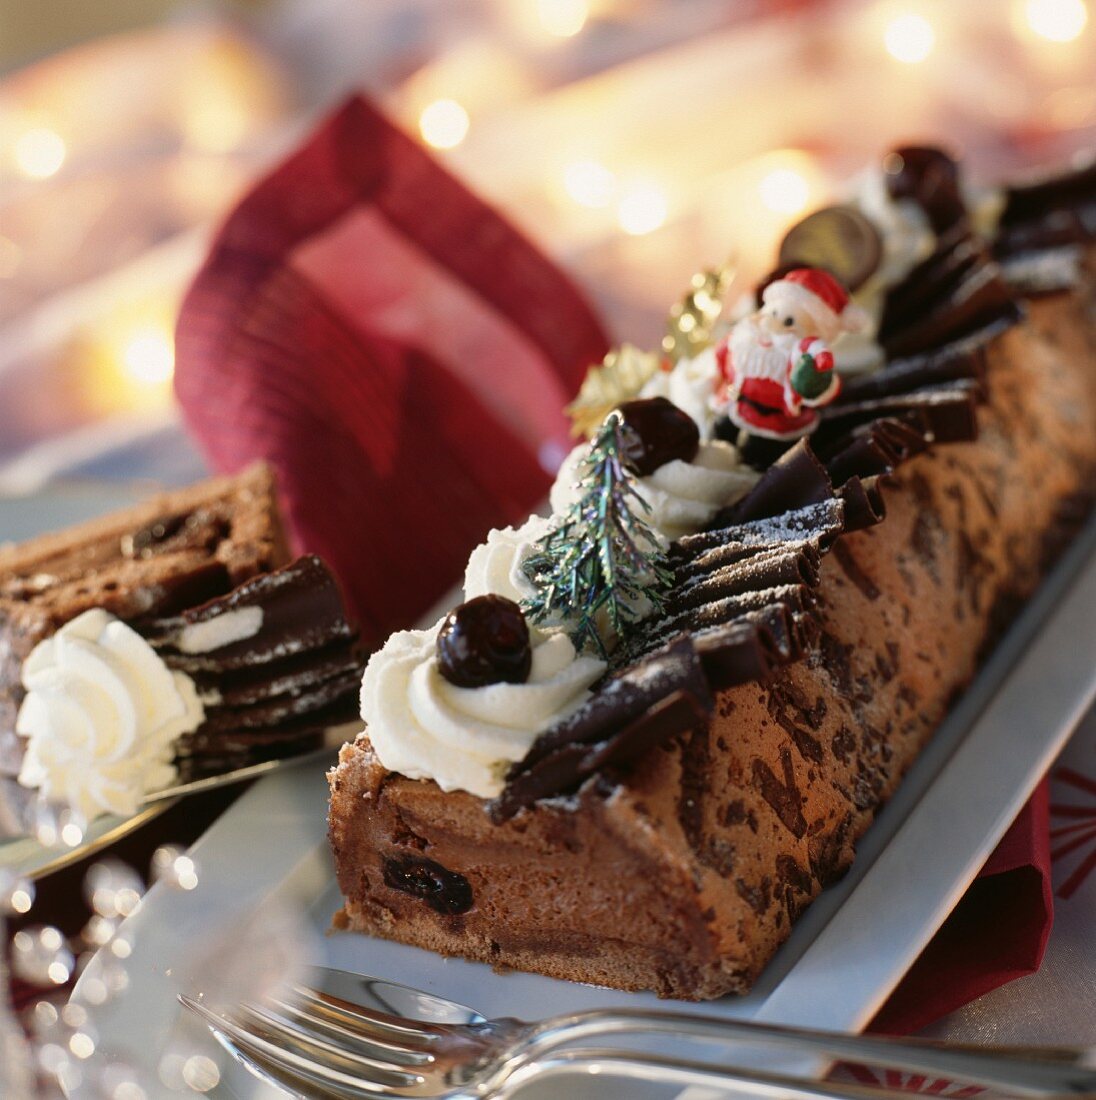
pixel 997 932
pixel 401 354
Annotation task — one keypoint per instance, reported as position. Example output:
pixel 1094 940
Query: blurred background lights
pixel 148 355
pixel 443 124
pixel 589 183
pixel 39 153
pixel 16 893
pixel 563 18
pixel 1056 20
pixel 909 38
pixel 201 1073
pixel 784 191
pixel 642 209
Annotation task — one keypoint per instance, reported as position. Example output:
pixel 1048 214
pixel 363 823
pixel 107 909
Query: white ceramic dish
pixel 844 957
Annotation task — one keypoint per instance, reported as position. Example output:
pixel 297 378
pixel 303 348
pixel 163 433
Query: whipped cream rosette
pixel 101 716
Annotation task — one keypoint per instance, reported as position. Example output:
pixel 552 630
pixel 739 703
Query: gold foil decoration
pixel 618 377
pixel 692 321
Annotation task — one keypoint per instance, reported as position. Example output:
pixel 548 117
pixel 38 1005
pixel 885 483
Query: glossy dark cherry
pixel 443 890
pixel 655 432
pixel 485 641
pixel 930 177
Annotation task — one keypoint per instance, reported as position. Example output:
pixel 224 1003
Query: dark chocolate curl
pixel 302 609
pixel 1049 212
pixel 981 304
pixel 878 449
pixel 665 695
pixel 679 712
pixel 737 653
pixel 719 612
pixel 943 414
pixel 864 505
pixel 795 480
pixel 771 569
pixel 821 523
pixel 621 699
pixel 732 552
pixel 951 364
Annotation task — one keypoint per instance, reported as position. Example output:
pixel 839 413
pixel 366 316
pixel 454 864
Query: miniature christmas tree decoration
pixel 601 568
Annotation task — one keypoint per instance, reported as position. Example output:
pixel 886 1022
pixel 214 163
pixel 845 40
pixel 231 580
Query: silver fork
pixel 364 1037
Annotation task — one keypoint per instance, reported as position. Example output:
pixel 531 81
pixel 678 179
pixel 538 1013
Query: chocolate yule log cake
pixel 169 641
pixel 664 715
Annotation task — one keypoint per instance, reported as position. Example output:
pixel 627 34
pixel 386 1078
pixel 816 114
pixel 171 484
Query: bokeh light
pixel 909 38
pixel 444 124
pixel 39 153
pixel 148 355
pixel 589 183
pixel 1056 20
pixel 563 18
pixel 784 191
pixel 642 209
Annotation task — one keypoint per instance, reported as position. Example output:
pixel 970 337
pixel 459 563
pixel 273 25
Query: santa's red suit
pixel 776 367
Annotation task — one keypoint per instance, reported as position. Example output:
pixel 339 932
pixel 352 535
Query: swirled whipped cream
pixel 494 567
pixel 101 716
pixel 689 385
pixel 683 496
pixel 424 727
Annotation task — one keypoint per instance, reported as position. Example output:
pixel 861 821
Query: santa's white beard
pixel 751 358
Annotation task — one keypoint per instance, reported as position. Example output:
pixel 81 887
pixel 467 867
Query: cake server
pixel 355 1036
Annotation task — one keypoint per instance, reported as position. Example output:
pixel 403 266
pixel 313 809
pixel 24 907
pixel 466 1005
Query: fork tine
pixel 360 1081
pixel 332 1044
pixel 415 1034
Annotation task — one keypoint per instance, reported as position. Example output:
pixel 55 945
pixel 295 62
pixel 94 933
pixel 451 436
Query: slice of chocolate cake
pixel 173 551
pixel 170 640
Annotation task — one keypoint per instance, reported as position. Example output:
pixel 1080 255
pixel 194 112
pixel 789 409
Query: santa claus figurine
pixel 775 366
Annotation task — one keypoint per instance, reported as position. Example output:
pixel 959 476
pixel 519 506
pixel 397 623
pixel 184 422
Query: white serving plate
pixel 845 955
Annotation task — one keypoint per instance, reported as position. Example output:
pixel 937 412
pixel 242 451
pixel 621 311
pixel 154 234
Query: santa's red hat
pixel 820 296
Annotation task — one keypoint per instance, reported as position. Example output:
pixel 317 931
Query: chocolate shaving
pixel 663 695
pixel 876 448
pixel 302 609
pixel 943 414
pixel 795 480
pixel 864 505
pixel 1049 213
pixel 955 296
pixel 951 364
pixel 821 523
pixel 744 651
pixel 769 569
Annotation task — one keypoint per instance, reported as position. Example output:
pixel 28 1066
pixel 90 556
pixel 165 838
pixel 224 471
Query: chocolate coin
pixel 837 238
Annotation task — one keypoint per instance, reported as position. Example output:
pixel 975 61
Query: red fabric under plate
pixel 997 932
